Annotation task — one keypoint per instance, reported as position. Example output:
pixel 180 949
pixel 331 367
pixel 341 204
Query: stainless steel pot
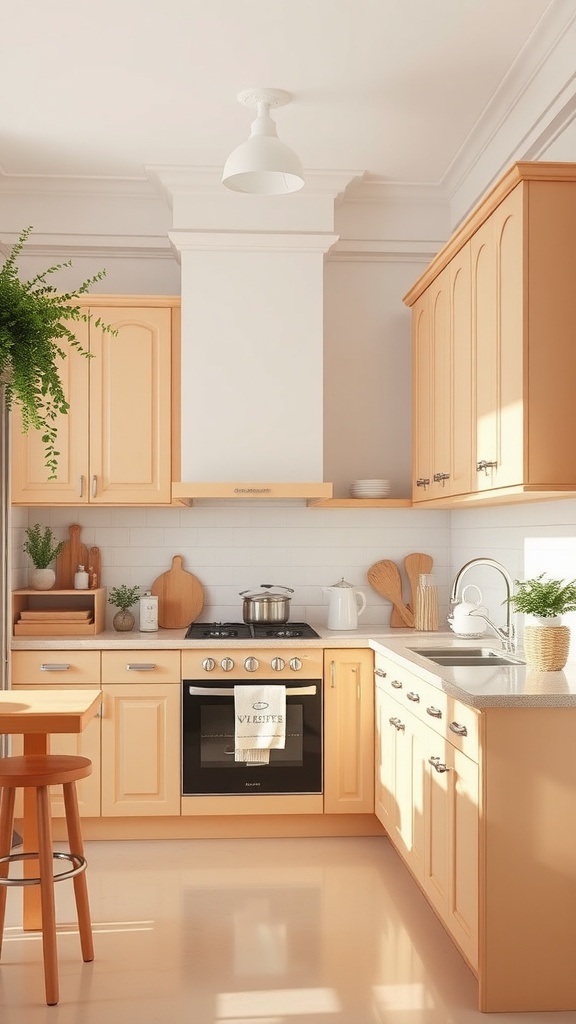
pixel 268 607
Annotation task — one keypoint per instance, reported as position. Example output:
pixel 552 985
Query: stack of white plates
pixel 369 488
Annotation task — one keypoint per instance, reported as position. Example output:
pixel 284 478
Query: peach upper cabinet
pixel 493 348
pixel 115 441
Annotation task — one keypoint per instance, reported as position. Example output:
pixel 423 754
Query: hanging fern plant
pixel 35 320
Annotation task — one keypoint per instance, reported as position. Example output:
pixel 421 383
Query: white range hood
pixel 252 342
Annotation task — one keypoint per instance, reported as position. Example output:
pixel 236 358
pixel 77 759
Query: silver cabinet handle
pixel 398 724
pixel 440 478
pixel 94 486
pixel 460 730
pixel 439 765
pixel 81 487
pixel 434 712
pixel 396 683
pixel 483 465
pixel 54 668
pixel 412 695
pixel 380 672
pixel 332 675
pixel 140 667
pixel 422 481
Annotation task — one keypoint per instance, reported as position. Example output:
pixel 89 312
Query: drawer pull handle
pixel 439 765
pixel 380 672
pixel 397 723
pixel 412 695
pixel 460 730
pixel 434 712
pixel 54 668
pixel 396 684
pixel 143 667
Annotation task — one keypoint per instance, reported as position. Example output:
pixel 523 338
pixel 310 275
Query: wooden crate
pixel 59 605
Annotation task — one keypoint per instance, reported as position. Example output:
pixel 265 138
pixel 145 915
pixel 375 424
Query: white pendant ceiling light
pixel 263 165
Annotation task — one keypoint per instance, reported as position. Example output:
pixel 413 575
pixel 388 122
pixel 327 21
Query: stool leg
pixel 46 862
pixel 80 884
pixel 6 828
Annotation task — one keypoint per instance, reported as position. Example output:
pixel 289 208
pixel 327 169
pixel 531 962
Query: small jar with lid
pixel 148 613
pixel 81 579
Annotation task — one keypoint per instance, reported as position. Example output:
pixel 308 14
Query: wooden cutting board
pixel 414 564
pixel 384 577
pixel 72 555
pixel 180 596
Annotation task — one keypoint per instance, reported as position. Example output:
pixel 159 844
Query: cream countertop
pixel 497 686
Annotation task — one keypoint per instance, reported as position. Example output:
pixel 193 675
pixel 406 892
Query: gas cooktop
pixel 249 631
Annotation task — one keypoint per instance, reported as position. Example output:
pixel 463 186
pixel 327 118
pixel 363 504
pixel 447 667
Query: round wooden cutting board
pixel 180 596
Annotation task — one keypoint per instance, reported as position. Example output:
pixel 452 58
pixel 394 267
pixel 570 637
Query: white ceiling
pixel 394 88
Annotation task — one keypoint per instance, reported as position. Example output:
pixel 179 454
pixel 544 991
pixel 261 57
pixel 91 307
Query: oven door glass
pixel 208 764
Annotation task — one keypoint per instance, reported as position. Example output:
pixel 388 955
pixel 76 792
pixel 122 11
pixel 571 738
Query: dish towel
pixel 260 721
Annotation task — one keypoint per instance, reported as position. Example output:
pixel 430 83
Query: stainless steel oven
pixel 208 721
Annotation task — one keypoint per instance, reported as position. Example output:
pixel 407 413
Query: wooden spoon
pixel 384 577
pixel 414 564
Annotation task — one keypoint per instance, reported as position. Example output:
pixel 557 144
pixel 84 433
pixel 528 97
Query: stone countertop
pixel 479 686
pixel 497 686
pixel 173 639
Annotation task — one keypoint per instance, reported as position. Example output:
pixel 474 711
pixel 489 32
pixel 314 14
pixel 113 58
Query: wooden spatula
pixel 384 577
pixel 414 564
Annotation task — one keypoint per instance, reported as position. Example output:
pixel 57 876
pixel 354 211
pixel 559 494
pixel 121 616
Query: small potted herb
pixel 546 640
pixel 43 548
pixel 123 597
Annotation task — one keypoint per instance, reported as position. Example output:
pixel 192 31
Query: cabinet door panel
pixel 141 749
pixel 422 398
pixel 498 333
pixel 130 383
pixel 349 732
pixel 30 483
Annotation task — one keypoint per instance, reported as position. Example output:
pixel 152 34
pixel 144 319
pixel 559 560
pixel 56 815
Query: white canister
pixel 81 578
pixel 148 613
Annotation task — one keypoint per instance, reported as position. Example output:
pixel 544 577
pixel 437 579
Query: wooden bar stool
pixel 40 772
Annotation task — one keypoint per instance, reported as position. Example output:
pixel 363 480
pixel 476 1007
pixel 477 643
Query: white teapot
pixel 346 603
pixel 465 620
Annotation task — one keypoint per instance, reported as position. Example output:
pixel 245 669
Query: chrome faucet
pixel 506 633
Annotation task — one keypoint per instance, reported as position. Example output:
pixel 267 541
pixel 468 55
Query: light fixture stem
pixel 263 123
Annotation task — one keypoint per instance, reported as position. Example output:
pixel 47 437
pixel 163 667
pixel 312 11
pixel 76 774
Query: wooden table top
pixel 47 711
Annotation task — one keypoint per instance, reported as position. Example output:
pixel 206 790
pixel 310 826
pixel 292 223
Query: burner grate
pixel 247 631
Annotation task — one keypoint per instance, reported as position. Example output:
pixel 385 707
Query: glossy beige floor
pixel 289 931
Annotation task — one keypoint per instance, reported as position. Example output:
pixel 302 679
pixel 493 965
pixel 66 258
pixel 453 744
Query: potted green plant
pixel 123 597
pixel 546 640
pixel 34 322
pixel 43 548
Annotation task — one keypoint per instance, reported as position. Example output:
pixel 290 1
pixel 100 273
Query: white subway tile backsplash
pixel 233 547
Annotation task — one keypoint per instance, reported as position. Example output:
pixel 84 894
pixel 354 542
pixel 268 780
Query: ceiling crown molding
pixel 176 179
pixel 67 185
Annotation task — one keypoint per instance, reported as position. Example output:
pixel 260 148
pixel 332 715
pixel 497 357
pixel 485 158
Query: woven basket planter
pixel 546 647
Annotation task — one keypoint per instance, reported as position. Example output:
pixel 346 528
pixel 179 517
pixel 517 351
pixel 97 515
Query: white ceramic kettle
pixel 465 620
pixel 346 603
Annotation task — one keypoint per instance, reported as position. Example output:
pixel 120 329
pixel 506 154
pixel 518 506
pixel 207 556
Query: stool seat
pixel 43 770
pixel 39 772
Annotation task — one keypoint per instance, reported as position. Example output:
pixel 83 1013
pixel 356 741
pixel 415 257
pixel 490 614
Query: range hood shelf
pixel 186 493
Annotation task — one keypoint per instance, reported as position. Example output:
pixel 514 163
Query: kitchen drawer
pixel 141 666
pixel 55 667
pixel 450 718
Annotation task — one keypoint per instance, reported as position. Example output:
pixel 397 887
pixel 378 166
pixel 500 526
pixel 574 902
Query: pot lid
pixel 268 591
pixel 343 585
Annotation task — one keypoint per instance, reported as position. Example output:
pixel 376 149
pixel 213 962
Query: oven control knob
pixel 295 664
pixel 251 664
pixel 277 664
pixel 208 664
pixel 227 664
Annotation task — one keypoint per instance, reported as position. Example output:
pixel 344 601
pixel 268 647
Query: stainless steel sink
pixel 454 656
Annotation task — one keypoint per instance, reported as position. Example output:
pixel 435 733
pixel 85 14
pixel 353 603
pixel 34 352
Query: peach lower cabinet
pixel 135 749
pixel 481 806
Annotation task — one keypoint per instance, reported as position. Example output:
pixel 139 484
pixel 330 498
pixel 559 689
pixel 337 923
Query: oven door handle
pixel 228 691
